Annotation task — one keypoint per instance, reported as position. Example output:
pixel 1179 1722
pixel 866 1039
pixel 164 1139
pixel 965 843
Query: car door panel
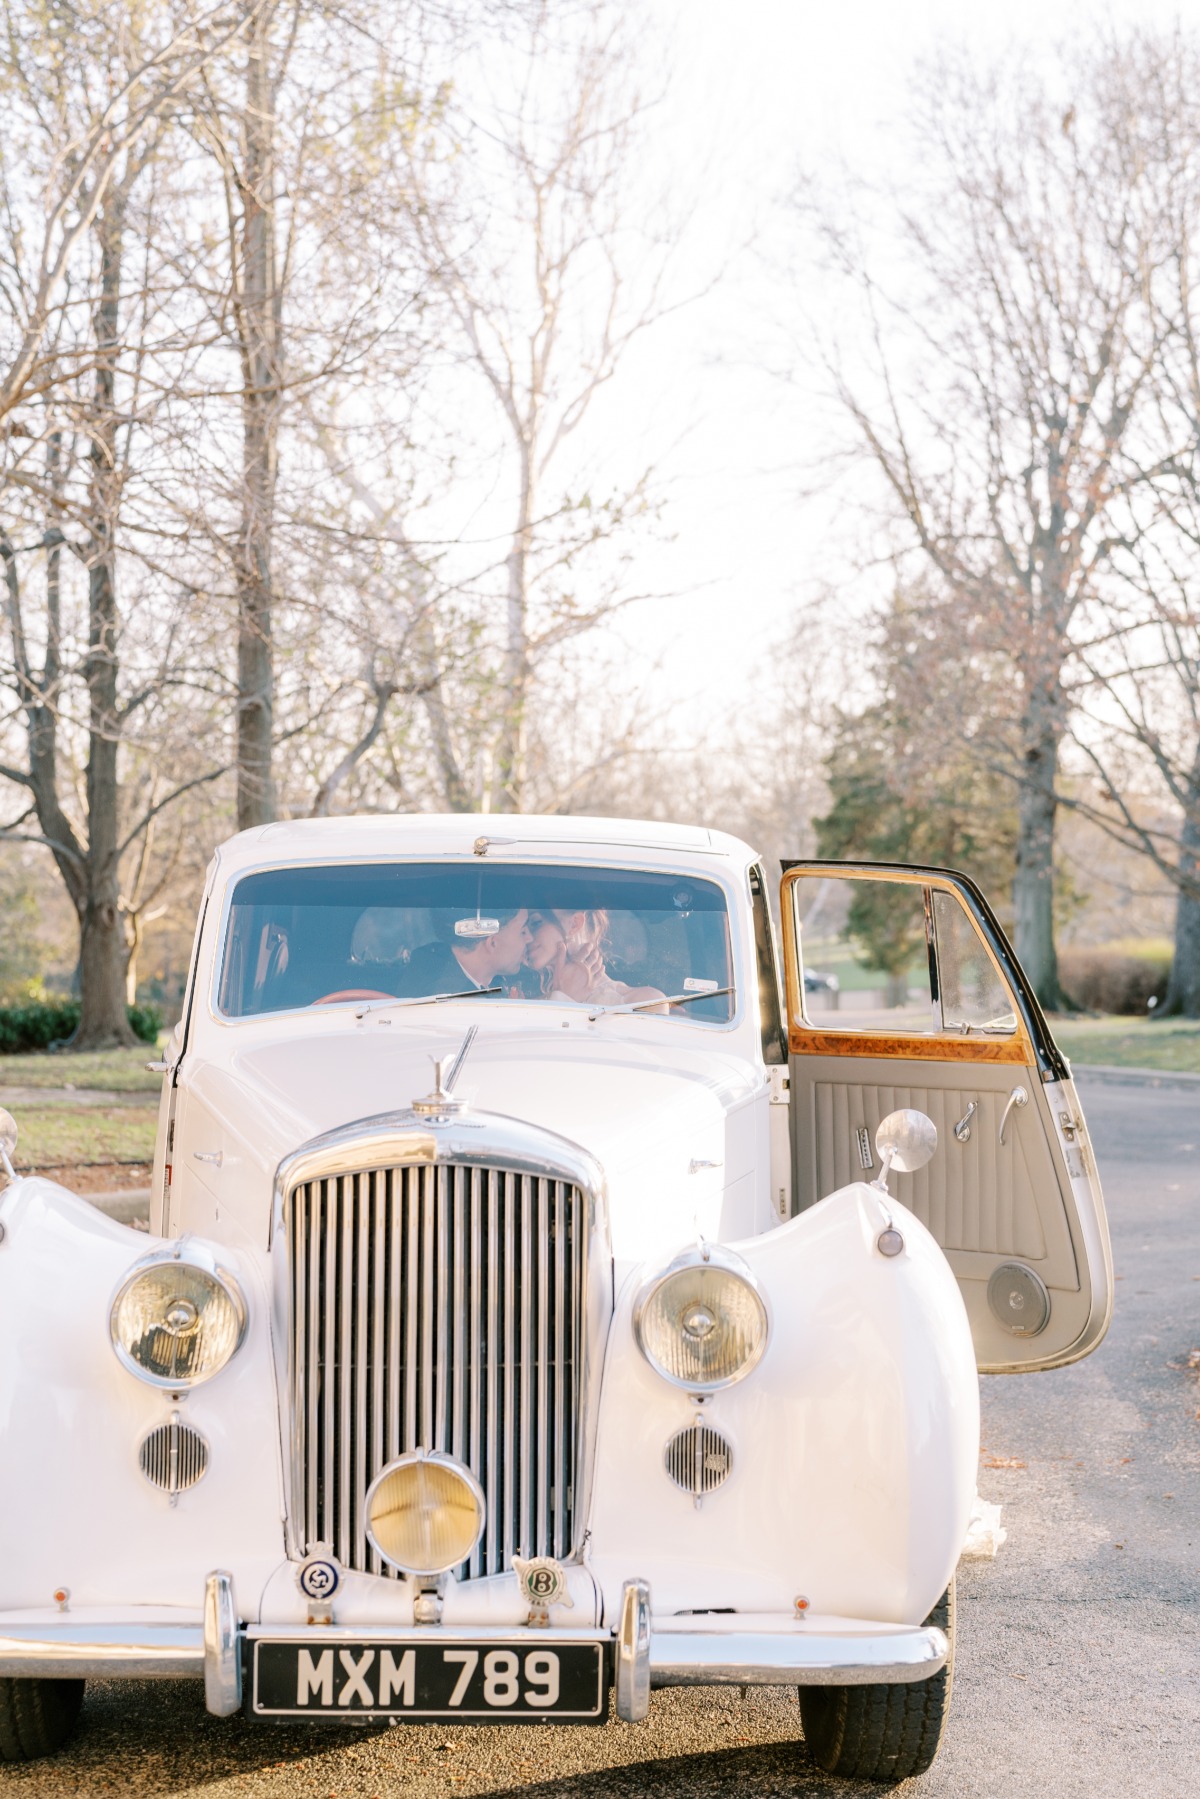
pixel 1029 1201
pixel 976 1196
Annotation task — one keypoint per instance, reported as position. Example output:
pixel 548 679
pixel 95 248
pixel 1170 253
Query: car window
pixel 892 955
pixel 299 937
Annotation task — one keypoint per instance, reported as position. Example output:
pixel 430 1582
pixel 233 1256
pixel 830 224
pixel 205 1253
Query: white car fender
pixel 854 1442
pixel 76 1511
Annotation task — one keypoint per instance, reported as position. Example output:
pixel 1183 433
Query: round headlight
pixel 702 1324
pixel 425 1512
pixel 176 1323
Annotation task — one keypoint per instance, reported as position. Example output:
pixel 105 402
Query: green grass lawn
pixel 71 1136
pixel 114 1070
pixel 1172 1044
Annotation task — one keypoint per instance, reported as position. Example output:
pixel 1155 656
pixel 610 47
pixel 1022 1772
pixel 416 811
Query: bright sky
pixel 759 88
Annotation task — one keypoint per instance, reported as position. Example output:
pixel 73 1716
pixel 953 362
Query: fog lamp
pixel 702 1323
pixel 425 1512
pixel 176 1323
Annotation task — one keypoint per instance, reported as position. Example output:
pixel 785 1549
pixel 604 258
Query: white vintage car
pixel 529 1317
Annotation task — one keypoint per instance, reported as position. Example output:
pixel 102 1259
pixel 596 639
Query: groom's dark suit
pixel 434 968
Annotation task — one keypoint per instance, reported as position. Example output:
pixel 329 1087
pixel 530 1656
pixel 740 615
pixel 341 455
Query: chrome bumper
pixel 667 1652
pixel 79 1650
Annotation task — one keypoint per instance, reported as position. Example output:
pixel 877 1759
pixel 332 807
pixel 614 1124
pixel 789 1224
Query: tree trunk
pixel 512 769
pixel 260 409
pixel 1183 988
pixel 1033 883
pixel 103 1021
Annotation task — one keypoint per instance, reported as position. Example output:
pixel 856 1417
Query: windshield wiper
pixel 668 999
pixel 427 999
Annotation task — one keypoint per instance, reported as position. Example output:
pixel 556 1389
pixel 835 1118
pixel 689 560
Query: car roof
pixel 501 835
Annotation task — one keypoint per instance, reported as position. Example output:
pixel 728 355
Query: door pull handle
pixel 962 1129
pixel 1018 1097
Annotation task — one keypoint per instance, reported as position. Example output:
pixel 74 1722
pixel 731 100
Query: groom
pixel 454 964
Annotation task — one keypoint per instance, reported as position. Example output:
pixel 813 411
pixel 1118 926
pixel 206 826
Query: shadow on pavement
pixel 154 1739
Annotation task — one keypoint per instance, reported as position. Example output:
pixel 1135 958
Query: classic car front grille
pixel 437 1307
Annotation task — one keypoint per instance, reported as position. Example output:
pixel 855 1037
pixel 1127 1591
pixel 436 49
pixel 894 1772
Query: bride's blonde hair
pixel 594 929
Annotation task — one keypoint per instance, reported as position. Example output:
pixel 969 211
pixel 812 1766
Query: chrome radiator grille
pixel 437 1307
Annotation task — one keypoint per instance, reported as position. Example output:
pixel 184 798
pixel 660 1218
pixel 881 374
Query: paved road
pixel 1079 1647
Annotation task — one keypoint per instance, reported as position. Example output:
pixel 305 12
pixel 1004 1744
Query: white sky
pixel 758 88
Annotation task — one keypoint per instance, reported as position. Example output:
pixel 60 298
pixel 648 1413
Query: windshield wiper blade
pixel 427 999
pixel 668 999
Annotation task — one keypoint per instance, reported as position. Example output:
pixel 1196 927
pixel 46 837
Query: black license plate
pixel 496 1682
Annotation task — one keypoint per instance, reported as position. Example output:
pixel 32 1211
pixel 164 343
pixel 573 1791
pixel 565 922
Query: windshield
pixel 300 937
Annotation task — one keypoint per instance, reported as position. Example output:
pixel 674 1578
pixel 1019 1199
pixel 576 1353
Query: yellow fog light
pixel 176 1322
pixel 425 1512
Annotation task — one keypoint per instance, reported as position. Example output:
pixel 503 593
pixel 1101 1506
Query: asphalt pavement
pixel 1078 1663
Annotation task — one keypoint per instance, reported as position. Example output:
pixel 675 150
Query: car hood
pixel 661 1132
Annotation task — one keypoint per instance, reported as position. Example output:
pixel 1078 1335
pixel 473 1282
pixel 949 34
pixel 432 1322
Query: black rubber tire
pixel 885 1732
pixel 37 1716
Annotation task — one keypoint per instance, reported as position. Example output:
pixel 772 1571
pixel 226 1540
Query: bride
pixel 566 953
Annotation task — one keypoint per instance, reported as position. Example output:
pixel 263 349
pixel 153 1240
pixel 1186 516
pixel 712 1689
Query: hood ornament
pixel 441 1103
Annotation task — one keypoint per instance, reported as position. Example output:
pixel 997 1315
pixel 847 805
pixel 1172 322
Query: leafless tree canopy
pixel 260 265
pixel 1018 374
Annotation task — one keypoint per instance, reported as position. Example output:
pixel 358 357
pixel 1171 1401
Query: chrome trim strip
pixel 633 1652
pixel 101 1651
pixel 402 1140
pixel 541 1512
pixel 534 1636
pixel 222 1648
pixel 364 1185
pixel 562 1457
pixel 508 1386
pixel 801 1657
pixel 345 1300
pixel 526 1522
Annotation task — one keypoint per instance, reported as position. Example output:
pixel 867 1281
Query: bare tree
pixel 1002 388
pixel 83 152
pixel 525 233
pixel 67 646
pixel 1136 685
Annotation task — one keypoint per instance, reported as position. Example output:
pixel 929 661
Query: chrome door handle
pixel 216 1158
pixel 962 1129
pixel 1018 1097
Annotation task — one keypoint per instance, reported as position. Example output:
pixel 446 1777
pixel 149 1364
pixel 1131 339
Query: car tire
pixel 37 1716
pixel 882 1733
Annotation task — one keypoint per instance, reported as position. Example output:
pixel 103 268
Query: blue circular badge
pixel 319 1579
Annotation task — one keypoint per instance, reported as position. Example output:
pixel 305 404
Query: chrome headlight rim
pixel 438 1458
pixel 704 1256
pixel 207 1265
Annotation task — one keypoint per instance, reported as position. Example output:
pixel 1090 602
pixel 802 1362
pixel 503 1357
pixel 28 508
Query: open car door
pixel 902 990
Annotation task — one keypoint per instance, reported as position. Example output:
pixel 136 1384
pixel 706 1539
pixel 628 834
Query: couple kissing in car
pixel 534 954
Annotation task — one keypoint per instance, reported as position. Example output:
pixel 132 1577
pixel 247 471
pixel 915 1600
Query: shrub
pixel 1103 980
pixel 39 1023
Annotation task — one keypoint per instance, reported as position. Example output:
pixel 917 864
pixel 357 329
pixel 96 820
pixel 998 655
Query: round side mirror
pixel 906 1140
pixel 8 1140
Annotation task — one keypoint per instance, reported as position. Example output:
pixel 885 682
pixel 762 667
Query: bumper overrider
pixel 365 1671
